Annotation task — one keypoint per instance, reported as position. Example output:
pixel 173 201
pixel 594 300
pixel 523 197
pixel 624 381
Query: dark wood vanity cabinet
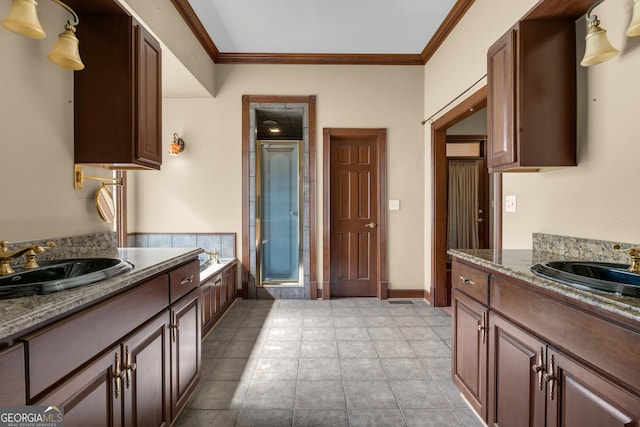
pixel 117 116
pixel 547 362
pixel 130 360
pixel 218 292
pixel 127 384
pixel 531 99
pixel 470 297
pixel 469 344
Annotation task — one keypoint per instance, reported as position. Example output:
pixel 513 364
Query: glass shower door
pixel 278 212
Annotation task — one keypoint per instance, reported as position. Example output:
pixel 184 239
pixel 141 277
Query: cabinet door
pixel 207 302
pixel 148 98
pixel 469 361
pixel 219 294
pixel 501 75
pixel 12 371
pixel 516 389
pixel 185 349
pixel 93 395
pixel 146 380
pixel 577 396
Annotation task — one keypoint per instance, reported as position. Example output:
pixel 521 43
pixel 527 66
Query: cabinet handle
pixel 117 375
pixel 482 327
pixel 539 367
pixel 551 378
pixel 174 326
pixel 128 367
pixel 467 281
pixel 187 280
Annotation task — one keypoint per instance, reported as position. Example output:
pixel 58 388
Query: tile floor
pixel 344 362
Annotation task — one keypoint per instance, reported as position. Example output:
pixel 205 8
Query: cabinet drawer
pixel 59 349
pixel 471 281
pixel 183 280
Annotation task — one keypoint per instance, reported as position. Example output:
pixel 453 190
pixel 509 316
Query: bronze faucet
pixel 634 254
pixel 6 256
pixel 213 256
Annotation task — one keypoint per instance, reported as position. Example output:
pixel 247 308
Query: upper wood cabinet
pixel 118 94
pixel 531 101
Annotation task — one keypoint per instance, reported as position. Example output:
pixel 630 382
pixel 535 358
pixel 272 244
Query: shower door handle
pixel 371 225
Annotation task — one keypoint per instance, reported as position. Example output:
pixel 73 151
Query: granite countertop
pixel 518 262
pixel 19 314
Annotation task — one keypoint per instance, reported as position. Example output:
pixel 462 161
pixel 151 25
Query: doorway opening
pixel 278 212
pixel 439 294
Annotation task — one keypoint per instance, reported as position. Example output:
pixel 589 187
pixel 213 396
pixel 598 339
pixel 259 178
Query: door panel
pixel 516 390
pixel 583 398
pixel 354 216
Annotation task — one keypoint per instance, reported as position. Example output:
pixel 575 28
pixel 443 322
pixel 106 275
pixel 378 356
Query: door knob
pixel 371 225
pixel 479 219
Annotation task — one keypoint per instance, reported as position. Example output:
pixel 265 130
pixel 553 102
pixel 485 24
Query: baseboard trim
pixel 405 293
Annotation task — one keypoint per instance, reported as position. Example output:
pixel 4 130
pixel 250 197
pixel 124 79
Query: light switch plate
pixel 510 204
pixel 394 205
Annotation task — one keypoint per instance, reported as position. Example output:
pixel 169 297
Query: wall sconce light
pixel 177 145
pixel 597 48
pixel 634 27
pixel 23 19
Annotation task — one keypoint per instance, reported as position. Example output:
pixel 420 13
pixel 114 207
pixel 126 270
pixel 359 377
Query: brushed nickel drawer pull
pixel 467 281
pixel 551 378
pixel 539 368
pixel 187 280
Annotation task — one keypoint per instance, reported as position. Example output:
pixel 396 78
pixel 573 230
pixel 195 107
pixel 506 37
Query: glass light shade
pixel 23 19
pixel 65 52
pixel 634 27
pixel 598 49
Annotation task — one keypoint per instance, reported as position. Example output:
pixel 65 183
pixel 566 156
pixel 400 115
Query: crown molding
pixel 319 59
pixel 194 23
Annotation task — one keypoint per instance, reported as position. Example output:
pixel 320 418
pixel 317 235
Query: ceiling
pixel 321 26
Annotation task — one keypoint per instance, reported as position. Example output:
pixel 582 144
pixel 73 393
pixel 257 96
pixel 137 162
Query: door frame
pixel 437 292
pixel 380 135
pixel 248 163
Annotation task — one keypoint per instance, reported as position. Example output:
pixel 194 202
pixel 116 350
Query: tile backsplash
pixel 225 243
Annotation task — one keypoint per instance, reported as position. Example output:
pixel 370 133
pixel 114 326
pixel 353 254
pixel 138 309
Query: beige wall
pixel 201 189
pixel 36 121
pixel 594 199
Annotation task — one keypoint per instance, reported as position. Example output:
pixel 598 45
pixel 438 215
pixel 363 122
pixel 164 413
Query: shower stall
pixel 278 211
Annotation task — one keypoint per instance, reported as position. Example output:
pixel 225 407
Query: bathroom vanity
pixel 115 352
pixel 531 351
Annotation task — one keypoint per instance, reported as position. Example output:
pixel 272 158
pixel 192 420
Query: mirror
pixel 105 204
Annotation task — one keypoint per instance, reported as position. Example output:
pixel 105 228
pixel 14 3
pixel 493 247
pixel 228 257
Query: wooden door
pixel 516 390
pixel 583 398
pixel 354 215
pixel 469 366
pixel 146 380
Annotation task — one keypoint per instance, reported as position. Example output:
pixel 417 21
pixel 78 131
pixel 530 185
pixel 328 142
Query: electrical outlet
pixel 510 204
pixel 394 205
